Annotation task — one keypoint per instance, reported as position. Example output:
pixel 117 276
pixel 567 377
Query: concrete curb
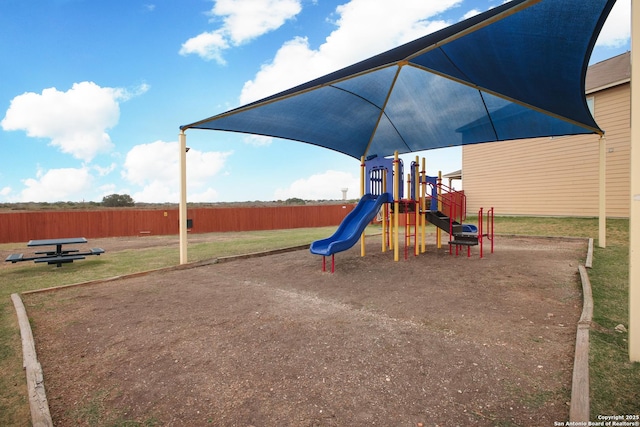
pixel 40 415
pixel 579 410
pixel 589 261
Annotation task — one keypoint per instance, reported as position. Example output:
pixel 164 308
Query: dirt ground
pixel 435 340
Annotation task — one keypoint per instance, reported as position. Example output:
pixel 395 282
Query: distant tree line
pixel 124 200
pixel 294 201
pixel 117 201
pixel 36 206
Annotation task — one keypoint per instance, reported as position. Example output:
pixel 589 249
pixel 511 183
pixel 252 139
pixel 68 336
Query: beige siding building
pixel 559 176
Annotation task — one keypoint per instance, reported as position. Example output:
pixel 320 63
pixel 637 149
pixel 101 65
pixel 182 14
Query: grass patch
pixel 94 413
pixel 617 229
pixel 615 382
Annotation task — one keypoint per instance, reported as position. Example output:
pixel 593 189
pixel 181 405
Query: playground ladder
pixel 411 211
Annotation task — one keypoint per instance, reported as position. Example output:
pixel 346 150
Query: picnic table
pixel 57 252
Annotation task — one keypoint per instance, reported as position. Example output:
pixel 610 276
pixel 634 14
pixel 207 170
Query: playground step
pixel 464 235
pixel 439 219
pixel 464 242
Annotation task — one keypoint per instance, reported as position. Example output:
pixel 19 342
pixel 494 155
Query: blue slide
pixel 352 226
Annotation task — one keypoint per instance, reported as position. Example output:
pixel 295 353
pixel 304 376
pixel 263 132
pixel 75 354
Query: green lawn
pixel 615 383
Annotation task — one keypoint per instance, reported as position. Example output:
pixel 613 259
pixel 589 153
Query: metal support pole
pixel 634 212
pixel 183 197
pixel 602 194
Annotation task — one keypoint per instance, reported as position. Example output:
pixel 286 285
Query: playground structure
pixel 427 201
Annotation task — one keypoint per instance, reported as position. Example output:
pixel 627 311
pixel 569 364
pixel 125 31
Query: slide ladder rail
pixel 485 230
pixel 410 208
pixel 453 202
pixel 453 207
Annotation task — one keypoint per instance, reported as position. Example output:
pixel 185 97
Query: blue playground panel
pixel 377 167
pixel 469 228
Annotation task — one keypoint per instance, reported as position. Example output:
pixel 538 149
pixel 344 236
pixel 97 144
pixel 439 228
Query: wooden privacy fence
pixel 24 226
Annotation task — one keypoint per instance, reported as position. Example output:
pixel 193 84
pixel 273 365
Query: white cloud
pixel 364 28
pixel 155 167
pixel 157 192
pixel 103 171
pixel 257 140
pixel 108 189
pixel 206 196
pixel 617 29
pixel 206 45
pixel 471 13
pixel 156 161
pixel 324 186
pixel 75 121
pixel 54 185
pixel 124 95
pixel 243 21
pixel 202 165
pixel 5 191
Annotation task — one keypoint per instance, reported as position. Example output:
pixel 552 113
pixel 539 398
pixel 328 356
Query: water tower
pixel 344 193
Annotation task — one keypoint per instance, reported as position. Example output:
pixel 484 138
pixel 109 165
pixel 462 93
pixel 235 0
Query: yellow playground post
pixel 396 204
pixel 384 215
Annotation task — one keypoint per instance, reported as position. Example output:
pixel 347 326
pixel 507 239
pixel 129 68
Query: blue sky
pixel 93 91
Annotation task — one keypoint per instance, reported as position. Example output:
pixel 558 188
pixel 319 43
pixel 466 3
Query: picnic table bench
pixel 58 255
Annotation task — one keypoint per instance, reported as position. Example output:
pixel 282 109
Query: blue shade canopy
pixel 515 71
